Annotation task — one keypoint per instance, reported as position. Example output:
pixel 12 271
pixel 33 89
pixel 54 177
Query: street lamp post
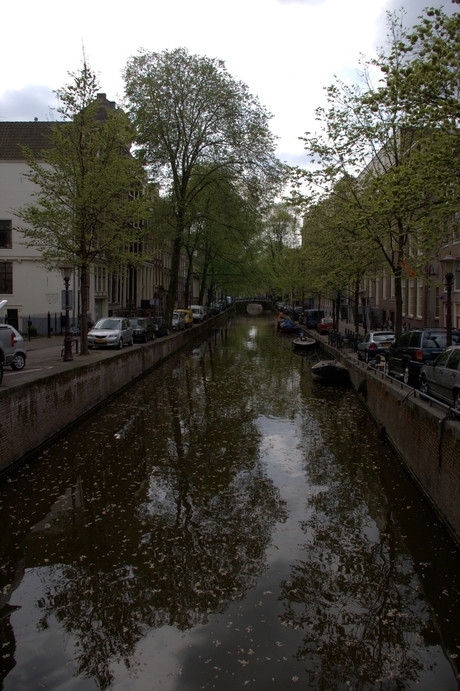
pixel 449 263
pixel 66 271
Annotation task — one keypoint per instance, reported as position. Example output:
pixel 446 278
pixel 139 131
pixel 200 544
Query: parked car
pixel 143 328
pixel 161 328
pixel 374 343
pixel 325 325
pixel 188 317
pixel 178 321
pixel 112 331
pixel 440 378
pixel 412 349
pixel 198 313
pixel 16 351
pixel 312 318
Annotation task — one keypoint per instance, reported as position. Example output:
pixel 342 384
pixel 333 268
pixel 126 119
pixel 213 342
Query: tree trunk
pixel 187 281
pixel 84 292
pixel 337 312
pixel 204 276
pixel 398 301
pixel 356 305
pixel 174 279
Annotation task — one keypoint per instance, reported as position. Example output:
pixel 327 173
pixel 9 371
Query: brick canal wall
pixel 32 413
pixel 427 442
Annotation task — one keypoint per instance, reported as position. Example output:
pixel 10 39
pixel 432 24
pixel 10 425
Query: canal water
pixel 225 523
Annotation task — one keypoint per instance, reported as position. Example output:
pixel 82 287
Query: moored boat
pixel 330 372
pixel 304 343
pixel 287 326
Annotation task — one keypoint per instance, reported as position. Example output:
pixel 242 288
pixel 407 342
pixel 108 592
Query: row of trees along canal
pixel 382 192
pixel 382 189
pixel 202 174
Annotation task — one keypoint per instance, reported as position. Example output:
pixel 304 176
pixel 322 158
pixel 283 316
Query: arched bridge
pixel 241 305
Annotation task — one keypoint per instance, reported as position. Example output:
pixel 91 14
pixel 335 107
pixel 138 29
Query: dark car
pixel 143 328
pixel 412 349
pixel 374 343
pixel 161 328
pixel 312 318
pixel 441 377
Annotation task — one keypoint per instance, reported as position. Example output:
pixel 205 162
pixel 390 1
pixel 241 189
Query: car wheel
pixel 424 390
pixel 120 343
pixel 406 375
pixel 19 362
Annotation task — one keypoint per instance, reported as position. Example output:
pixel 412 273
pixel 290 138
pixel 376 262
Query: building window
pixel 411 301
pixel 100 279
pixel 436 303
pixel 6 278
pixel 6 235
pixel 419 299
pixel 457 277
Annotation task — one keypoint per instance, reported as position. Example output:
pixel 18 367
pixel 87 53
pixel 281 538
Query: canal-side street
pixel 226 523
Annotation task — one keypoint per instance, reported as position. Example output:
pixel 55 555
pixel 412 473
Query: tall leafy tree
pixel 280 241
pixel 195 123
pixel 381 168
pixel 89 205
pixel 431 95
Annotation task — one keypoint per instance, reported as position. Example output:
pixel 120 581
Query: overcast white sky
pixel 286 51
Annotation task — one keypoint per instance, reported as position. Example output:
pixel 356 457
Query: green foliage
pixel 197 127
pixel 89 205
pixel 387 175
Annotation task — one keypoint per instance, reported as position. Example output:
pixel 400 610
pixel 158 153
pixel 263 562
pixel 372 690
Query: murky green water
pixel 225 524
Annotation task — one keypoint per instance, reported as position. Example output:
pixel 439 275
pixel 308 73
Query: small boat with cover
pixel 330 372
pixel 304 343
pixel 287 326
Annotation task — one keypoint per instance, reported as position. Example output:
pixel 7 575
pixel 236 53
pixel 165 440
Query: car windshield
pixel 138 322
pixel 110 324
pixel 176 315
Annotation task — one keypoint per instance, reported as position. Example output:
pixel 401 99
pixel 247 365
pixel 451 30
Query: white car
pixel 111 331
pixel 178 321
pixel 18 352
pixel 198 313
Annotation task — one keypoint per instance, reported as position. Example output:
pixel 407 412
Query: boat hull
pixel 330 372
pixel 304 344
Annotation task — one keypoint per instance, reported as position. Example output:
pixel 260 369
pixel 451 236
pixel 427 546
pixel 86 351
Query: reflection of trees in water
pixel 168 540
pixel 355 594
